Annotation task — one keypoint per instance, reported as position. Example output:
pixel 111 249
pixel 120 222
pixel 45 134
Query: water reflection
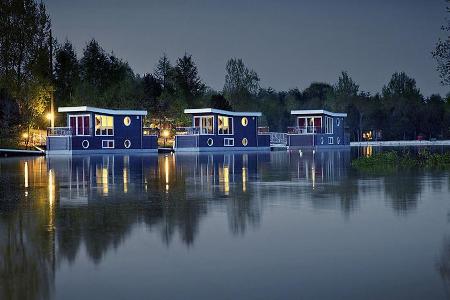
pixel 52 211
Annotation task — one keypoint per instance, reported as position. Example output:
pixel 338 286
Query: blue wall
pixel 133 133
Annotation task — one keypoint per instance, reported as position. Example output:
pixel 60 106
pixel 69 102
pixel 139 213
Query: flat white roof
pixel 222 112
pixel 102 110
pixel 317 112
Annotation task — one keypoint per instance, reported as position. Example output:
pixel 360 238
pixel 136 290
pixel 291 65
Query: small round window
pixel 244 141
pixel 127 144
pixel 321 140
pixel 210 142
pixel 85 144
pixel 338 121
pixel 127 121
pixel 338 140
pixel 244 121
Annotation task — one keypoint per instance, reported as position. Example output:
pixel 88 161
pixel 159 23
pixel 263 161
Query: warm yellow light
pixel 165 133
pixel 49 116
pixel 25 135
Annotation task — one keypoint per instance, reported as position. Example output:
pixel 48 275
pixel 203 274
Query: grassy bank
pixel 393 160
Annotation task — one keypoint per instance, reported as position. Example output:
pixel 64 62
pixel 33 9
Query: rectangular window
pixel 330 140
pixel 225 125
pixel 328 125
pixel 79 124
pixel 108 144
pixel 205 124
pixel 228 142
pixel 309 124
pixel 104 125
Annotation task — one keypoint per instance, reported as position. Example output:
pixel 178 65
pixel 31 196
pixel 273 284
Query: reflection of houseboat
pixel 96 130
pixel 317 129
pixel 220 130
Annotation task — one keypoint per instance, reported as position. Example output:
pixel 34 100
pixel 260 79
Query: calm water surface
pixel 221 226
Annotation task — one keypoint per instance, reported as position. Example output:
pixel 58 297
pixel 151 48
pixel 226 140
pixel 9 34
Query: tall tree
pixel 188 84
pixel 442 52
pixel 241 83
pixel 67 73
pixel 164 72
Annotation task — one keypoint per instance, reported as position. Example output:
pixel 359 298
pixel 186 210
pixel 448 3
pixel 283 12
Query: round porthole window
pixel 127 144
pixel 244 141
pixel 85 144
pixel 244 121
pixel 338 140
pixel 127 121
pixel 321 140
pixel 210 142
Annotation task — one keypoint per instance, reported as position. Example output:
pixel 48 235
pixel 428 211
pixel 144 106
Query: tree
pixel 441 53
pixel 152 92
pixel 188 84
pixel 241 83
pixel 67 73
pixel 220 102
pixel 164 72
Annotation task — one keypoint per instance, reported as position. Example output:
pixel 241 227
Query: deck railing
pixel 150 131
pixel 59 131
pixel 305 130
pixel 187 131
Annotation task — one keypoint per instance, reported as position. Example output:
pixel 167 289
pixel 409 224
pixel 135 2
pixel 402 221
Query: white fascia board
pixel 221 112
pixel 102 110
pixel 317 112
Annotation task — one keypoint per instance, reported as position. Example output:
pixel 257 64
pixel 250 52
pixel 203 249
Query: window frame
pixel 232 125
pixel 95 128
pixel 330 139
pixel 329 122
pixel 228 140
pixel 75 132
pixel 108 147
pixel 201 124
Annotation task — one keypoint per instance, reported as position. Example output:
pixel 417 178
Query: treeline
pixel 34 67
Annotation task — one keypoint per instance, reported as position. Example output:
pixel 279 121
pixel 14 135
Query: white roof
pixel 222 112
pixel 317 112
pixel 102 110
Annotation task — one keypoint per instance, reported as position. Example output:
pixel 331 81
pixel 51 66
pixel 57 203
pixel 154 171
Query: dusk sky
pixel 288 43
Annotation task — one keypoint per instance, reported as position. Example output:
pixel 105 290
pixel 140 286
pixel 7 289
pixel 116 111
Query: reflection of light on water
pixel 313 176
pixel 224 178
pixel 51 187
pixel 166 171
pixel 244 179
pixel 102 178
pixel 368 151
pixel 125 173
pixel 26 177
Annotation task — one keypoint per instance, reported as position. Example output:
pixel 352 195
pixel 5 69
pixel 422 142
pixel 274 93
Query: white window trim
pixel 95 129
pixel 113 144
pixel 76 124
pixel 330 139
pixel 330 121
pixel 228 139
pixel 309 117
pixel 232 125
pixel 201 126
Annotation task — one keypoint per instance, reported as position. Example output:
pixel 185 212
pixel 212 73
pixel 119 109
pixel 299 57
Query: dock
pixel 20 152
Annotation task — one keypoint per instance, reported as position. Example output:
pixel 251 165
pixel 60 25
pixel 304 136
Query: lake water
pixel 273 225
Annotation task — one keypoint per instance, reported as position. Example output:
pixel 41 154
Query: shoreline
pixel 400 143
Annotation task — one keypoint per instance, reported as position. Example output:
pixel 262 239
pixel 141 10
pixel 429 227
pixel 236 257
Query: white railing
pixel 59 131
pixel 278 138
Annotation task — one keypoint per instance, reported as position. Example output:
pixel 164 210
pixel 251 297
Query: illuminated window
pixel 104 125
pixel 205 124
pixel 244 141
pixel 244 121
pixel 225 125
pixel 127 121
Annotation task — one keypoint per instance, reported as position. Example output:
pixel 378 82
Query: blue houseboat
pixel 96 130
pixel 220 130
pixel 317 129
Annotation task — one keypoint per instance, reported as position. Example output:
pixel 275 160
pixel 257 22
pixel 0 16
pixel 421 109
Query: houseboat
pixel 92 130
pixel 220 130
pixel 315 129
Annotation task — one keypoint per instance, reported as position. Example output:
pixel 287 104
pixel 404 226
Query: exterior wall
pixel 121 133
pixel 336 139
pixel 239 133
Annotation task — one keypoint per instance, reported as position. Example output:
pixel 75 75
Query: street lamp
pixel 165 135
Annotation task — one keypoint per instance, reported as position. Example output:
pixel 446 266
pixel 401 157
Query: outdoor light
pixel 49 116
pixel 25 135
pixel 165 133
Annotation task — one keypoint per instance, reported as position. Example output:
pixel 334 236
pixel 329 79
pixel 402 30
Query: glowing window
pixel 244 121
pixel 104 125
pixel 225 125
pixel 127 121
